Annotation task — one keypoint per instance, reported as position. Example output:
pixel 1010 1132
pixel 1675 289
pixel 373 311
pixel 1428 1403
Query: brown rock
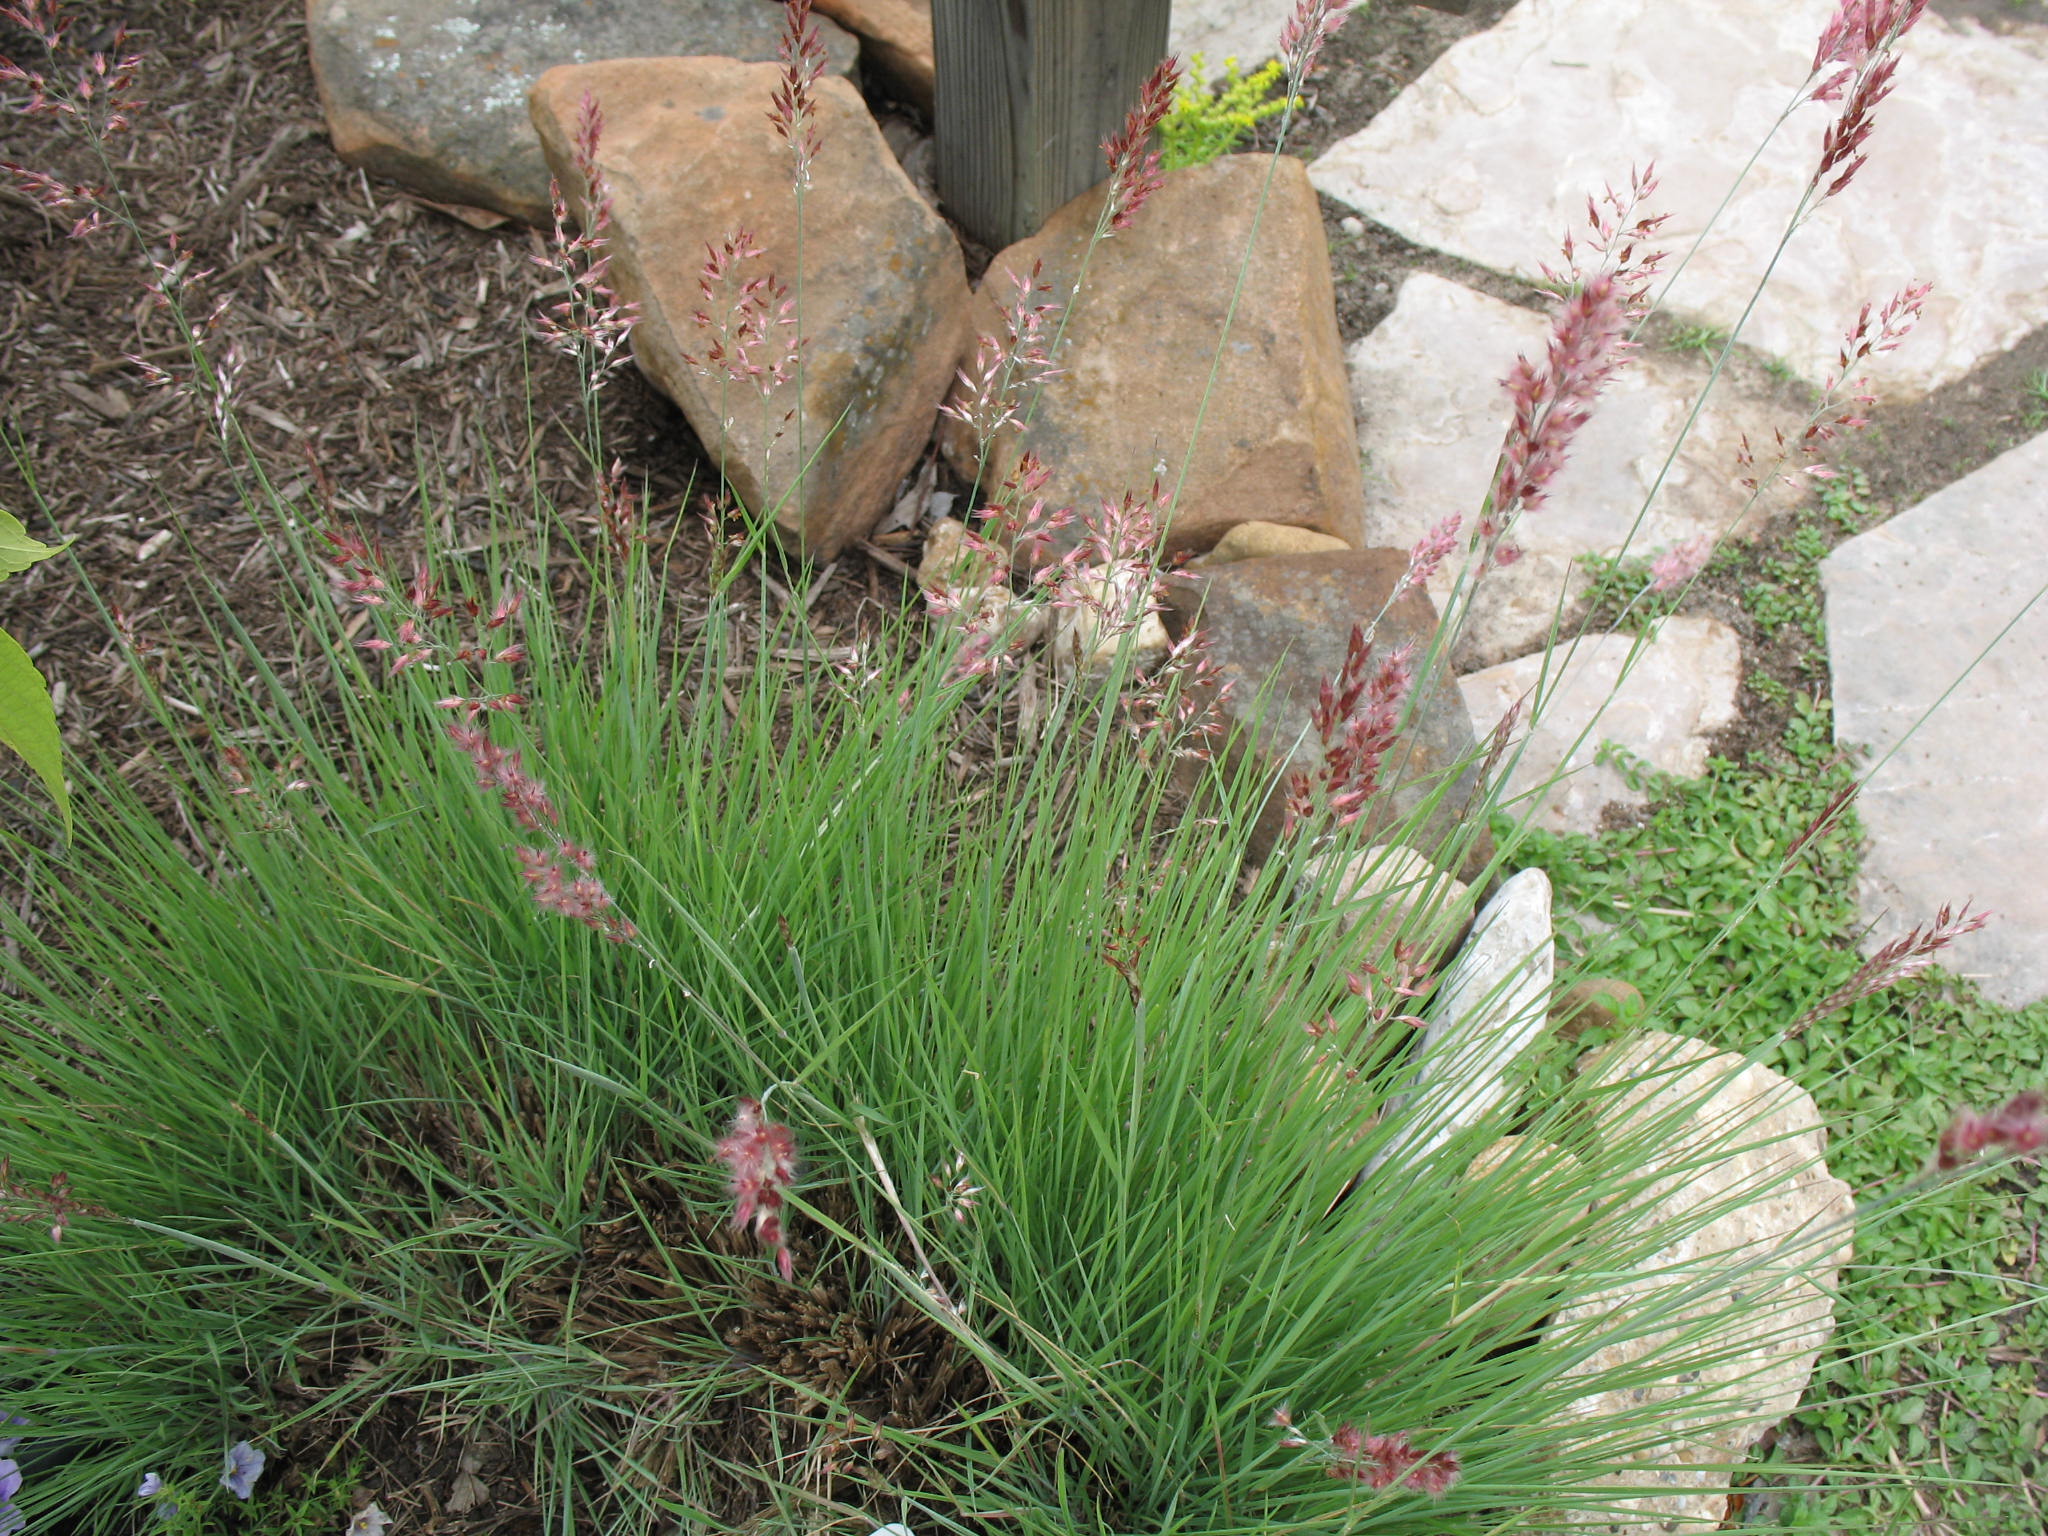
pixel 896 38
pixel 1277 442
pixel 432 93
pixel 690 158
pixel 1598 1002
pixel 1288 619
pixel 1253 541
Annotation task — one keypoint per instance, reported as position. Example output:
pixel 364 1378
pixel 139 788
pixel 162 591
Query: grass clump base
pixel 371 1138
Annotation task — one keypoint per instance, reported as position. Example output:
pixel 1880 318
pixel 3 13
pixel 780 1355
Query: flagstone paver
pixel 1490 156
pixel 1245 30
pixel 1956 811
pixel 1664 709
pixel 1431 412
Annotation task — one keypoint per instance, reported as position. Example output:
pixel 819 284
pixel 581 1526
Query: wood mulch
pixel 376 340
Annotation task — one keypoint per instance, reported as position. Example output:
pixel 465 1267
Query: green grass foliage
pixel 337 1091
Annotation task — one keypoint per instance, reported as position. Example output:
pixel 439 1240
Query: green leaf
pixel 27 722
pixel 18 549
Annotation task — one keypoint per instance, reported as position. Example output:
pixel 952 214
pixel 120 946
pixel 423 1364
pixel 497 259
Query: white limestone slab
pixel 1723 1320
pixel 1681 689
pixel 1960 808
pixel 1492 1006
pixel 1245 30
pixel 1425 385
pixel 1491 154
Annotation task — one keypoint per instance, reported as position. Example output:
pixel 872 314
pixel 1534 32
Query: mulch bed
pixel 379 341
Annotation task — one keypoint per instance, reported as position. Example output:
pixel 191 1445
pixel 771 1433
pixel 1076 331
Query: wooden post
pixel 1027 90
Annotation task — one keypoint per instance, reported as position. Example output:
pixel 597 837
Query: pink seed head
pixel 1134 173
pixel 2018 1127
pixel 793 111
pixel 1678 565
pixel 759 1155
pixel 1302 36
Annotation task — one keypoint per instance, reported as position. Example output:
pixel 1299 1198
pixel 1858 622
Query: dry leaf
pixel 467 1491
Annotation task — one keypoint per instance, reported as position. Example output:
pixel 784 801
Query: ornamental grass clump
pixel 917 1121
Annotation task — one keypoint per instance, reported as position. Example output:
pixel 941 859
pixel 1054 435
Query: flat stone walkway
pixel 1490 156
pixel 1957 806
pixel 1491 153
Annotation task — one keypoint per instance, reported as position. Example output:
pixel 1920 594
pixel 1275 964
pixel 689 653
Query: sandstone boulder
pixel 691 158
pixel 1287 620
pixel 895 40
pixel 1255 540
pixel 1277 442
pixel 432 93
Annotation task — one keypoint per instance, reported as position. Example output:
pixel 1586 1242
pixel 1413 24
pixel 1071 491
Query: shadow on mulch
pixel 823 1380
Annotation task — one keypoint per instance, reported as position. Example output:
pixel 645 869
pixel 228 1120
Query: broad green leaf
pixel 18 549
pixel 27 722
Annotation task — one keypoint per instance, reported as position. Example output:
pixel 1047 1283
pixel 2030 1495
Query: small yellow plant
pixel 1206 122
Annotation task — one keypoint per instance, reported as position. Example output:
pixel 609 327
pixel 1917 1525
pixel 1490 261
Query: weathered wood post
pixel 1027 90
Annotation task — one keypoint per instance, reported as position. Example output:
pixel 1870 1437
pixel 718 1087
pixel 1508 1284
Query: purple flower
pixel 152 1487
pixel 243 1464
pixel 12 1520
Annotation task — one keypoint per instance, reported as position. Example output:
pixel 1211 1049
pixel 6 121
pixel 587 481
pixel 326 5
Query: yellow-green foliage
pixel 1204 123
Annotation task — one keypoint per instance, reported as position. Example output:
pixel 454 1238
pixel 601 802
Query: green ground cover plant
pixel 1935 1362
pixel 1697 338
pixel 1213 118
pixel 605 1023
pixel 2036 415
